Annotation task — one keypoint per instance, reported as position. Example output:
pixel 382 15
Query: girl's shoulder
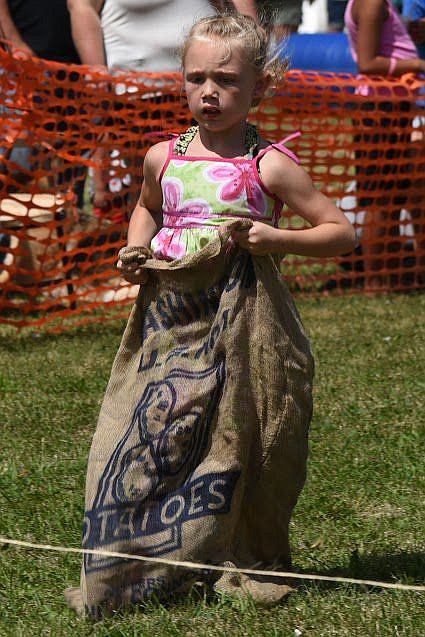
pixel 157 151
pixel 155 158
pixel 277 163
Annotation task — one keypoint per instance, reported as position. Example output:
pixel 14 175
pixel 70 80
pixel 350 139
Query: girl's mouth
pixel 210 111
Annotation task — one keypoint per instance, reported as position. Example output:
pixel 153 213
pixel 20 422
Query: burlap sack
pixel 201 446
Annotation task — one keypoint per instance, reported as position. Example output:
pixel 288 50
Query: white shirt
pixel 145 35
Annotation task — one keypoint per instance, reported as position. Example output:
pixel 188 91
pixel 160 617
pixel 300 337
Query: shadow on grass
pixel 403 567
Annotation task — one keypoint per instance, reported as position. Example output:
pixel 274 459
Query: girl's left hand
pixel 260 239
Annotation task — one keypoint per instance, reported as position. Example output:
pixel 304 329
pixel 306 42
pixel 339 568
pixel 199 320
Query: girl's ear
pixel 261 86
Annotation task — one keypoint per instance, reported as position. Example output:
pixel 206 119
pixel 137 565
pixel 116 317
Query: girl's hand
pixel 132 271
pixel 260 239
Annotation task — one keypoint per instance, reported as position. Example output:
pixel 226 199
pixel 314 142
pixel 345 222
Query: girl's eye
pixel 228 80
pixel 195 79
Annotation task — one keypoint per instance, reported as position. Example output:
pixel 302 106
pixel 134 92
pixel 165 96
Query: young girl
pixel 201 445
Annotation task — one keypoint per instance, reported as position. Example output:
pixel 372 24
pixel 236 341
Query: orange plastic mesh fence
pixel 362 143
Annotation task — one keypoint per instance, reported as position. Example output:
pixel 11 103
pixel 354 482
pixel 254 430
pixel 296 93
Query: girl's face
pixel 219 87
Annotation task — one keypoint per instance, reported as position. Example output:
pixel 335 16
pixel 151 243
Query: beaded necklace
pixel 251 140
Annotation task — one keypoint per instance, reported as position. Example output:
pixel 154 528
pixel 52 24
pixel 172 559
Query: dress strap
pixel 280 146
pixel 171 145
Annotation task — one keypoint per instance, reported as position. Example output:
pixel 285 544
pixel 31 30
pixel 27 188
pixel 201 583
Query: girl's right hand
pixel 131 269
pixel 133 273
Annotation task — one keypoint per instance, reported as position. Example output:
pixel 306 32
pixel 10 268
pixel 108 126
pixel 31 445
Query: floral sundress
pixel 200 194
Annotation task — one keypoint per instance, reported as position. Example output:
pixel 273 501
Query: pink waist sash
pixel 183 221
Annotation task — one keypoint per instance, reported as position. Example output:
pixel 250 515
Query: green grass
pixel 361 514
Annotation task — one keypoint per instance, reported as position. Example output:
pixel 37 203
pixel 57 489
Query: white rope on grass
pixel 212 567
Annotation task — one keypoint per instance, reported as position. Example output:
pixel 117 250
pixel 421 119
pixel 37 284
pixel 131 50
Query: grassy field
pixel 360 515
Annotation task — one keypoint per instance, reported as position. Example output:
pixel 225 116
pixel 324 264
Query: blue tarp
pixel 319 52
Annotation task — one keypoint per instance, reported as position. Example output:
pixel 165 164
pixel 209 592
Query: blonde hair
pixel 241 30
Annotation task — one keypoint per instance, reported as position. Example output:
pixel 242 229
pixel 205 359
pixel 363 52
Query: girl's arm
pixel 370 17
pixel 146 219
pixel 331 234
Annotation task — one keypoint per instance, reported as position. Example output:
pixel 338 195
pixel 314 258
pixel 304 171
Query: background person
pixel 414 15
pixel 379 40
pixel 136 35
pixel 380 45
pixel 41 28
pixel 336 10
pixel 283 17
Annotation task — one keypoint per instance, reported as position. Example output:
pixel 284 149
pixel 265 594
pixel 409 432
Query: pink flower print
pixel 173 192
pixel 238 179
pixel 168 244
pixel 197 207
pixel 172 189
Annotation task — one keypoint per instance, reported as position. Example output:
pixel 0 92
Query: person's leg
pixel 416 207
pixel 384 184
pixel 369 159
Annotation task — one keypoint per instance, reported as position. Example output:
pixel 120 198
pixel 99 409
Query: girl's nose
pixel 209 89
